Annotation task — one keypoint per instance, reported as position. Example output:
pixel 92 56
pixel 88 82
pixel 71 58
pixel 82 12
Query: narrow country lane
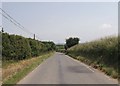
pixel 62 69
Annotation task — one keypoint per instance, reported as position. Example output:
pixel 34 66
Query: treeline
pixel 15 47
pixel 69 43
pixel 102 54
pixel 60 48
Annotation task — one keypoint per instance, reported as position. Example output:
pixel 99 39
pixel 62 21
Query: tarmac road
pixel 62 69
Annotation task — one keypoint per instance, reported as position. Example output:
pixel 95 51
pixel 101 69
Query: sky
pixel 60 0
pixel 57 21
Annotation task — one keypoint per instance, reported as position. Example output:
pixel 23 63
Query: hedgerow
pixel 15 47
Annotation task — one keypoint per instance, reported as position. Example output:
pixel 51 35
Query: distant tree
pixel 71 42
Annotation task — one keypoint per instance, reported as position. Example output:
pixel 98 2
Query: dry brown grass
pixel 13 68
pixel 14 71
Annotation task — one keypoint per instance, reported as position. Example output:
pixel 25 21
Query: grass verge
pixel 110 71
pixel 15 71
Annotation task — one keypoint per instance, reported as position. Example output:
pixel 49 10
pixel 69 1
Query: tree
pixel 71 42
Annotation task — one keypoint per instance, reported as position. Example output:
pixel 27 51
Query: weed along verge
pixel 15 71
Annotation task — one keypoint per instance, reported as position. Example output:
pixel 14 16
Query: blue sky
pixel 57 21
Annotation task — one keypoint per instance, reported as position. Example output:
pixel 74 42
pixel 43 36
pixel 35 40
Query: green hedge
pixel 16 47
pixel 49 45
pixel 36 47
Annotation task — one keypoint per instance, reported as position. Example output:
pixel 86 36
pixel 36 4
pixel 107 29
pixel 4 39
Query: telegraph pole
pixel 2 30
pixel 34 36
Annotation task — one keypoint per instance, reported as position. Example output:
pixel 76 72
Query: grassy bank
pixel 15 71
pixel 101 54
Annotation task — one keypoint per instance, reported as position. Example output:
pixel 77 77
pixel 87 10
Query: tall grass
pixel 102 54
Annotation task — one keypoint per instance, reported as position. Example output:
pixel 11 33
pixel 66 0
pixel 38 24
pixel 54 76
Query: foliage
pixel 36 47
pixel 16 47
pixel 60 47
pixel 49 45
pixel 71 42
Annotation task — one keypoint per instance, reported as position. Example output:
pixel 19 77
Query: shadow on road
pixel 78 69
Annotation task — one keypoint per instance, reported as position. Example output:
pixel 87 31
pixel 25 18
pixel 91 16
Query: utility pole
pixel 2 29
pixel 34 36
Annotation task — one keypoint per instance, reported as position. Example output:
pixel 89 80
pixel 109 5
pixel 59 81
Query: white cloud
pixel 106 26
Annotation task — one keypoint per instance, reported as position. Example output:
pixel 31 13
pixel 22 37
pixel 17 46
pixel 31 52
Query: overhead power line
pixel 8 17
pixel 12 20
pixel 11 17
pixel 28 32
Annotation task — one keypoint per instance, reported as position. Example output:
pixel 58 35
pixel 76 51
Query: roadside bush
pixel 49 46
pixel 15 47
pixel 36 47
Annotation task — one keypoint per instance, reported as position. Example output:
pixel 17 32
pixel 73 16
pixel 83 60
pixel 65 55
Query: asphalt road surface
pixel 62 69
